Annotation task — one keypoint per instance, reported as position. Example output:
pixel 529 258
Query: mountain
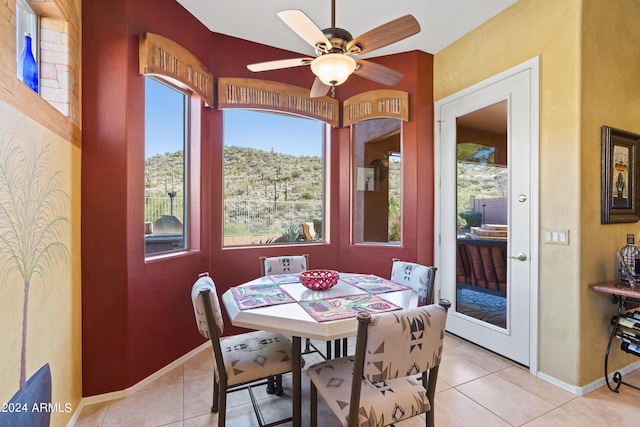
pixel 480 180
pixel 256 174
pixel 163 173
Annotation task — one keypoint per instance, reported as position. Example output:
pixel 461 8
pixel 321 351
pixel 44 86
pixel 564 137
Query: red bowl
pixel 319 280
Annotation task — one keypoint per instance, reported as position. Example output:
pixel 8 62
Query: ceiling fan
pixel 335 50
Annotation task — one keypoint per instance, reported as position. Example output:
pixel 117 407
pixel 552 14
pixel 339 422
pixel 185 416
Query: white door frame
pixel 534 66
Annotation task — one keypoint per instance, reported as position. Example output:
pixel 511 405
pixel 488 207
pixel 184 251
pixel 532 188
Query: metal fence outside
pixel 244 217
pixel 155 207
pixel 259 217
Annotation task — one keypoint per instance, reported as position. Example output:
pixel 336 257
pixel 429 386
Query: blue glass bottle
pixel 27 66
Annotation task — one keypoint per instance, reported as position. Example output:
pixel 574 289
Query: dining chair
pixel 240 361
pixel 378 386
pixel 284 264
pixel 420 277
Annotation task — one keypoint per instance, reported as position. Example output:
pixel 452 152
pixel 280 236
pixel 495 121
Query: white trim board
pixel 581 391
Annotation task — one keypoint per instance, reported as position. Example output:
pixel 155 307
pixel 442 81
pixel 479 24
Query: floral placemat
pixel 342 307
pixel 282 279
pixel 374 284
pixel 260 295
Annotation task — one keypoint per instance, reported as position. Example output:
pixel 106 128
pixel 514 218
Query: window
pixel 27 45
pixel 166 191
pixel 377 200
pixel 273 178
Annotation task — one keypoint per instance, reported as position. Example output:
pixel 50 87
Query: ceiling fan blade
pixel 303 26
pixel 279 64
pixel 385 34
pixel 319 89
pixel 378 73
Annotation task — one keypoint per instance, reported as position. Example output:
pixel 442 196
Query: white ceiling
pixel 442 21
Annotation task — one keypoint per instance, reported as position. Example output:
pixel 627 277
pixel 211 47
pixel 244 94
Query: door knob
pixel 522 198
pixel 519 257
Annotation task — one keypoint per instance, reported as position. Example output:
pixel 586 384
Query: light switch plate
pixel 555 236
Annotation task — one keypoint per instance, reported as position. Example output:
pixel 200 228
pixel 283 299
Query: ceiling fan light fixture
pixel 333 69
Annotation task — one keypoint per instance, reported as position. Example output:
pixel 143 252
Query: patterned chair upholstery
pixel 378 386
pixel 240 359
pixel 284 264
pixel 421 278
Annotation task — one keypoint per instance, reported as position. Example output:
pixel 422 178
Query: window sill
pixel 171 255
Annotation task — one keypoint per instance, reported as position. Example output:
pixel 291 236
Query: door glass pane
pixel 377 214
pixel 482 214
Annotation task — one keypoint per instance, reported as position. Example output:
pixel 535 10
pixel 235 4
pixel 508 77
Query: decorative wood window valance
pixel 386 103
pixel 259 94
pixel 164 57
pixel 274 96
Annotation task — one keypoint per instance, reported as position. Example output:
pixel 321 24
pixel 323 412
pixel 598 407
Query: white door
pixel 487 163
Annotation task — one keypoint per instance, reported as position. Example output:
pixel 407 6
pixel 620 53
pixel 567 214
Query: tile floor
pixel 475 388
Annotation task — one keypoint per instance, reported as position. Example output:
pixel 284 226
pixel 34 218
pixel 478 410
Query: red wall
pixel 137 316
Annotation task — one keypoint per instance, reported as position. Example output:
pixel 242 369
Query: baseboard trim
pixel 581 391
pixel 120 394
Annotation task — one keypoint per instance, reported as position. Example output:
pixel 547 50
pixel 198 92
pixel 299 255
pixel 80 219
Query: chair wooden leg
pixel 430 418
pixel 222 413
pixel 274 385
pixel 313 403
pixel 429 381
pixel 271 388
pixel 279 389
pixel 216 395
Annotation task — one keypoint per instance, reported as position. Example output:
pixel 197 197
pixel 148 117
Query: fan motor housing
pixel 339 38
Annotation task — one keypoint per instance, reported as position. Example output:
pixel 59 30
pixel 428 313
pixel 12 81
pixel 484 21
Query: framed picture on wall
pixel 620 167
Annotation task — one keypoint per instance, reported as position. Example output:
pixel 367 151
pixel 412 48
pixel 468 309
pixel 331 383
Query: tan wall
pixel 589 62
pixel 29 123
pixel 610 96
pixel 549 29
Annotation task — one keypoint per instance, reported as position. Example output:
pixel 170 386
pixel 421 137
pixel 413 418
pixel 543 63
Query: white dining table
pixel 292 319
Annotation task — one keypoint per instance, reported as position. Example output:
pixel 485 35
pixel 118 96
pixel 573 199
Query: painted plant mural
pixel 33 232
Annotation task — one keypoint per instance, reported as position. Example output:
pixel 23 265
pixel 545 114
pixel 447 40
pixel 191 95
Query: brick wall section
pixel 58 84
pixel 60 65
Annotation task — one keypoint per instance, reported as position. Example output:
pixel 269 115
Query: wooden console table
pixel 626 297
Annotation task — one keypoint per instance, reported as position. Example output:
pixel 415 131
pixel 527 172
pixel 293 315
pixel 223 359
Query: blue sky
pixel 265 131
pixel 285 134
pixel 163 125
